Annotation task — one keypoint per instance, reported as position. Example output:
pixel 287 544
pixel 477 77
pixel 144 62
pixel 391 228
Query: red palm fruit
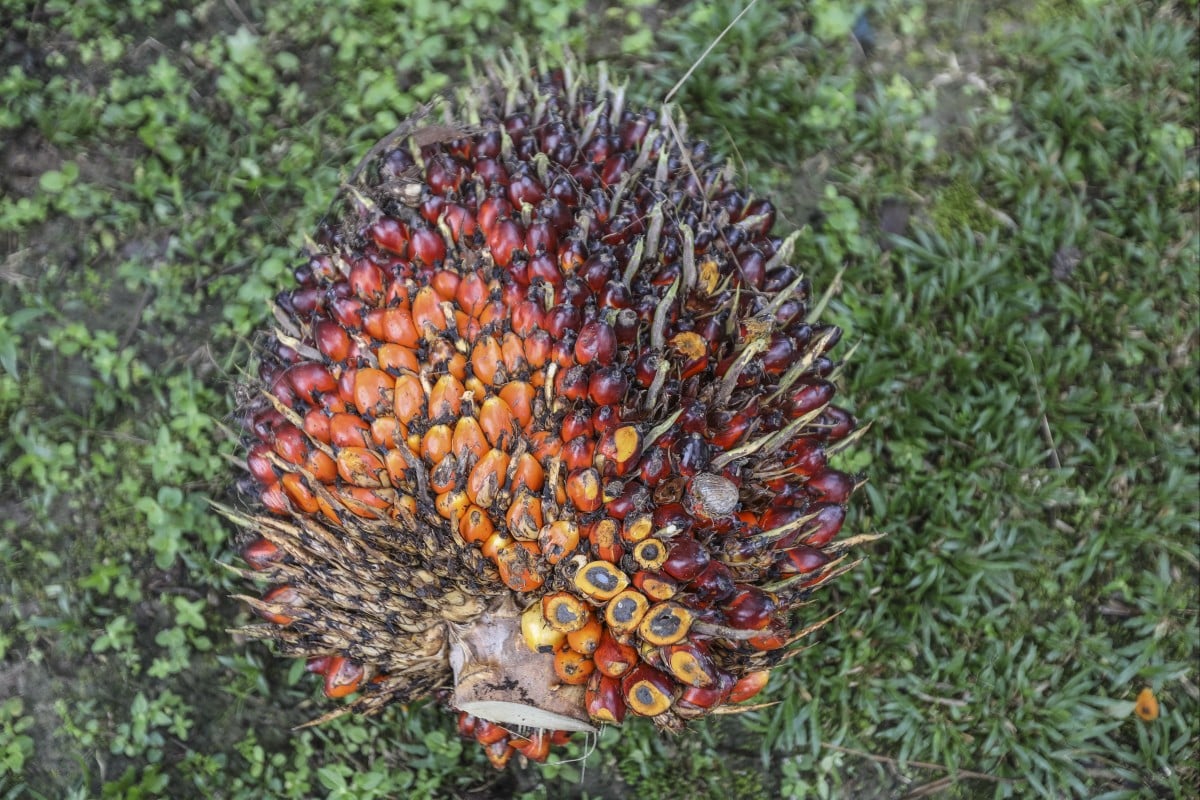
pixel 576 423
pixel 612 657
pixel 291 444
pixel 603 700
pixel 275 500
pixel 654 467
pixel 607 385
pixel 604 537
pixel 492 172
pixel 260 466
pixel 505 239
pixel 342 677
pixel 596 343
pixel 647 691
pixel 518 567
pixel 695 701
pixel 749 685
pixel 573 668
pixel 524 516
pixel 655 586
pixel 585 640
pixel 606 418
pixel 750 608
pixel 427 246
pixel 809 396
pixel 672 519
pixel 632 499
pixel 572 383
pixel 487 732
pixel 621 448
pixel 686 559
pixel 285 596
pixel 499 753
pixel 466 725
pixel 536 747
pixel 261 554
pixel 558 539
pixel 837 423
pixel 584 491
pixel 774 636
pixel 830 486
pixel 310 381
pixel 299 492
pixel 801 559
pixel 690 664
pixel 826 523
pixel 391 235
pixel 491 211
pixel 318 665
pixel 461 222
pixel 807 456
pixel 713 585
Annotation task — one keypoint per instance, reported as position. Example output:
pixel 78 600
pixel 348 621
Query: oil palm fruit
pixel 543 428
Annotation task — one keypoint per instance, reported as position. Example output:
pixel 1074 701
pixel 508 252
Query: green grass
pixel 1014 191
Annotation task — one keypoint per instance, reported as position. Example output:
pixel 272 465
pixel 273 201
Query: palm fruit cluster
pixel 549 388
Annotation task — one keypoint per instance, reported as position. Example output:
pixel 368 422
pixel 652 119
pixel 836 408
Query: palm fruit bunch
pixel 543 430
